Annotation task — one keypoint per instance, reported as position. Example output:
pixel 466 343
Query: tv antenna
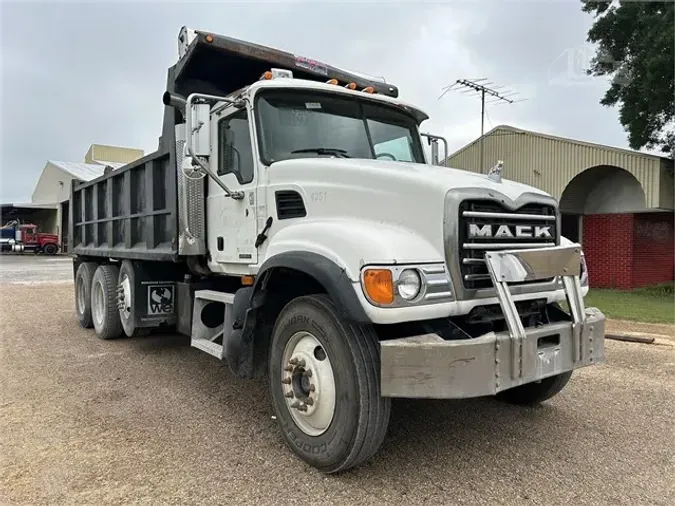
pixel 495 93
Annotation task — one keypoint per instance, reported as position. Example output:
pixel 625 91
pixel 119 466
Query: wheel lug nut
pixel 301 363
pixel 312 387
pixel 309 401
pixel 288 368
pixel 293 361
pixel 295 405
pixel 302 407
pixel 308 373
pixel 286 381
pixel 289 394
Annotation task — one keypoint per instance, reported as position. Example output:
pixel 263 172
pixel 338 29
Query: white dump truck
pixel 291 224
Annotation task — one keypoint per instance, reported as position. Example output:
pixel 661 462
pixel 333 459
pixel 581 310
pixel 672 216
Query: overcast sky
pixel 77 73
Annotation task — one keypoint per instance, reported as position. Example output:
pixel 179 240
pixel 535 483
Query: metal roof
pixel 553 163
pixel 81 171
pixel 508 129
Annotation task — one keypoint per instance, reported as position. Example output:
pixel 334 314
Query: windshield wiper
pixel 340 153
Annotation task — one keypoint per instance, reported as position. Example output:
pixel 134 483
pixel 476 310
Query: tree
pixel 636 48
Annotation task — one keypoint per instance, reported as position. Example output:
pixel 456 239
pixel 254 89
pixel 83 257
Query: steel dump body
pixel 127 213
pixel 132 212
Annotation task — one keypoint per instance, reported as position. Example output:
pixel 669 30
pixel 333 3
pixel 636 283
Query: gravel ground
pixel 153 421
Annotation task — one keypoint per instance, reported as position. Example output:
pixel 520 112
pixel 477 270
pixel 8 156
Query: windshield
pixel 297 123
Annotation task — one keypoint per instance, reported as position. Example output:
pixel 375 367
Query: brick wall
pixel 627 251
pixel 608 246
pixel 653 250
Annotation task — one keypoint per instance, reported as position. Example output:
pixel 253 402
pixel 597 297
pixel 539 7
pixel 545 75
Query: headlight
pixel 409 284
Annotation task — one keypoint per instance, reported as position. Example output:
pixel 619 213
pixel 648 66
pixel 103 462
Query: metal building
pixel 618 203
pixel 49 207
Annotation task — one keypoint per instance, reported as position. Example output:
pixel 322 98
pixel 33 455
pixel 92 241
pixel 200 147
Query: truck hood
pixel 398 205
pixel 397 176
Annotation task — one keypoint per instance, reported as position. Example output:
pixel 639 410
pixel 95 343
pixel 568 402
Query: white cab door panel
pixel 231 223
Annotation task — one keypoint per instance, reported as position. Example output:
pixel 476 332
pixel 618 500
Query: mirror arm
pixel 236 195
pixel 435 138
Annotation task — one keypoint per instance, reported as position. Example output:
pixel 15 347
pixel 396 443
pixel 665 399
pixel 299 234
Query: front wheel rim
pixel 308 383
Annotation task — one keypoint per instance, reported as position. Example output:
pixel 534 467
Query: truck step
pixel 204 337
pixel 212 295
pixel 209 347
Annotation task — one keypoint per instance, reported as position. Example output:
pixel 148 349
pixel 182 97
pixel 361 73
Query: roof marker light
pixel 332 81
pixel 209 38
pixel 351 86
pixel 368 89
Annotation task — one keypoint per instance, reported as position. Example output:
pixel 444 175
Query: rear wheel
pixel 537 392
pixel 324 381
pixel 104 310
pixel 83 281
pixel 127 300
pixel 50 249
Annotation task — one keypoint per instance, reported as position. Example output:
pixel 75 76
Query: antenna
pixel 483 87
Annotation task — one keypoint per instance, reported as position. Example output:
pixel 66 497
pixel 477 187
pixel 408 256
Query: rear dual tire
pixel 310 335
pixel 104 310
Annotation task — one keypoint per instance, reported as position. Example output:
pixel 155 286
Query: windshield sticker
pixel 298 117
pixel 312 105
pixel 311 65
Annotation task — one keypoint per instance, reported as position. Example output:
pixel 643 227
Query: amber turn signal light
pixel 379 285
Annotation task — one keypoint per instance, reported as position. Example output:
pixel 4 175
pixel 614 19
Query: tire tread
pixel 112 325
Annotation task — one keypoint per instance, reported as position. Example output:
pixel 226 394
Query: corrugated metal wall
pixel 551 163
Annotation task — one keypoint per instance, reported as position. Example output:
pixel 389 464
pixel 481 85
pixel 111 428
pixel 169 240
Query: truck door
pixel 232 223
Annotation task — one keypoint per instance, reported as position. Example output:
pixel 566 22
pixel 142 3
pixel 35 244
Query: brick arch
pixel 603 189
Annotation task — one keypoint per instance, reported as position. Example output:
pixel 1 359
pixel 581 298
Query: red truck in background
pixel 17 236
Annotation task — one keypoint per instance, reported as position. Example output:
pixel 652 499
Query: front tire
pixel 50 249
pixel 104 310
pixel 324 378
pixel 535 393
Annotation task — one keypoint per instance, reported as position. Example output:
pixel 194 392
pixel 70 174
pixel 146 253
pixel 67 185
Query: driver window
pixel 235 155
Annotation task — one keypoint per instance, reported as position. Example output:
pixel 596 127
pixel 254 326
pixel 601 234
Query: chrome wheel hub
pixel 97 303
pixel 124 297
pixel 81 299
pixel 308 383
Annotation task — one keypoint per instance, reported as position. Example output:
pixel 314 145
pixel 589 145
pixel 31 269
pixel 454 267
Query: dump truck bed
pixel 128 213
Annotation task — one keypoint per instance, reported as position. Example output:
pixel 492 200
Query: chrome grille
pixel 491 217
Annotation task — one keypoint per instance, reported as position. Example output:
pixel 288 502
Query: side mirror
pixel 433 141
pixel 199 137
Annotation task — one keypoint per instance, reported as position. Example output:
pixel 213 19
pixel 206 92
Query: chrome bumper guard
pixel 427 366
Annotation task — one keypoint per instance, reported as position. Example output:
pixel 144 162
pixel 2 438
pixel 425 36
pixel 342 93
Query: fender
pixel 331 276
pixel 244 356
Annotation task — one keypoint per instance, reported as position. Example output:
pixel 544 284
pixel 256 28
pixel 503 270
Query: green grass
pixel 654 304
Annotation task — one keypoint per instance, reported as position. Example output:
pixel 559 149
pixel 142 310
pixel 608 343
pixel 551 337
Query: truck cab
pixel 18 237
pixel 291 224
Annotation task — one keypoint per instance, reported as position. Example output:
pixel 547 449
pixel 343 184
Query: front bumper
pixel 427 366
